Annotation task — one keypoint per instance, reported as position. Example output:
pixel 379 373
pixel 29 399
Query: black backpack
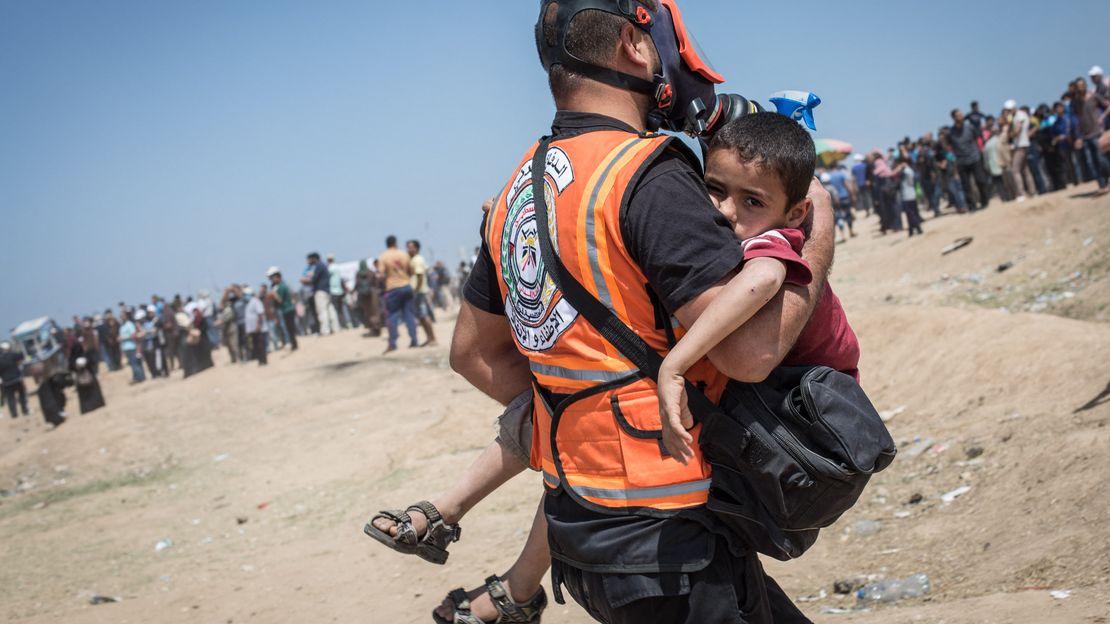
pixel 790 455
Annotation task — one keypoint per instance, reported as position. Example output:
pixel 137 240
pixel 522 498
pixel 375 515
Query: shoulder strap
pixel 612 328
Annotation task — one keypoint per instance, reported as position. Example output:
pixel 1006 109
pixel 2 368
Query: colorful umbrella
pixel 830 151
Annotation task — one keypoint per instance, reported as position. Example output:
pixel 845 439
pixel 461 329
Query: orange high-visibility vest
pixel 603 443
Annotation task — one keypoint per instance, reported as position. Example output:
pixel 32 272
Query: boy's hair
pixel 775 143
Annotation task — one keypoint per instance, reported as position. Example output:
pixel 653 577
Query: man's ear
pixel 799 215
pixel 634 51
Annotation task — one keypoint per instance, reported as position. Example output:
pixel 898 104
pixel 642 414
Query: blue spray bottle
pixel 797 105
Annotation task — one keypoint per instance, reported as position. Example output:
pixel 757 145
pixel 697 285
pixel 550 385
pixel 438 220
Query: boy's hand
pixel 674 414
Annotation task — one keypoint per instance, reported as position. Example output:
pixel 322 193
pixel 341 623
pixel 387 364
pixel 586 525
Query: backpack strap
pixel 611 328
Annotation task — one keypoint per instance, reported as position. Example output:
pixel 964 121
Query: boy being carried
pixel 758 174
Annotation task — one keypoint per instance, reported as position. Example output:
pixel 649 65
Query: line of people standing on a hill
pixel 153 340
pixel 1017 154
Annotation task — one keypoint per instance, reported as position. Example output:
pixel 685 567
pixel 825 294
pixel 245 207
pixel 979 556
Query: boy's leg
pixel 522 580
pixel 491 470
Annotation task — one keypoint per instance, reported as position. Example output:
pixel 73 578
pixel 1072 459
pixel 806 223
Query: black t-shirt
pixel 10 371
pixel 670 228
pixel 684 247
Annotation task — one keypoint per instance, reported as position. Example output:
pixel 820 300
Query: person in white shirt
pixel 1019 169
pixel 256 325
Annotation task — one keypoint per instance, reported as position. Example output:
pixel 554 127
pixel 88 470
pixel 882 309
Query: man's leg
pixel 1097 161
pixel 323 302
pixel 730 589
pixel 424 316
pixel 290 319
pixel 982 186
pixel 392 315
pixel 333 318
pixel 339 320
pixel 136 367
pixel 21 389
pixel 9 398
pixel 408 309
pixel 973 190
pixel 1035 170
pixel 260 347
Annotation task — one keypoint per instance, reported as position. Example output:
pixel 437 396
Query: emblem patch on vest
pixel 536 310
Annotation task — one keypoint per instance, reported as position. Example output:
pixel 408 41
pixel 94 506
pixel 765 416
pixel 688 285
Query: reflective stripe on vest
pixel 633 494
pixel 601 376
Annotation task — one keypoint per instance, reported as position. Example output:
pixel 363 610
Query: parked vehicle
pixel 40 340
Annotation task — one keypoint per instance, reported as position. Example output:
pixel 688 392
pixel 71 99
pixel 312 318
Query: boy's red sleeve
pixel 785 246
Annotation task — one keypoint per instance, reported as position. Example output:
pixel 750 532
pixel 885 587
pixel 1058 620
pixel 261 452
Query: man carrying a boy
pixel 623 559
pixel 629 535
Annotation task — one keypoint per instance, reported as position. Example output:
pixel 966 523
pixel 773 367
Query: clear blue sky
pixel 162 147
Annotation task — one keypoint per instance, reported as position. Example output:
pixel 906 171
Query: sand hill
pixel 260 480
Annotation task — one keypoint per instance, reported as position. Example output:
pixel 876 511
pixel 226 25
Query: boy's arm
pixel 750 353
pixel 733 306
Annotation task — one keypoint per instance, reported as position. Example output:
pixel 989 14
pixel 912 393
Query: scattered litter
pixel 97 599
pixel 919 447
pixel 890 551
pixel 890 414
pixel 207 540
pixel 1005 266
pixel 849 586
pixel 939 448
pixel 867 528
pixel 221 457
pixel 1087 243
pixel 248 568
pixel 1060 594
pixel 902 515
pixel 956 493
pixel 241 520
pixel 974 452
pixel 842 611
pixel 262 506
pixel 821 595
pixel 39 505
pixel 960 243
pixel 898 589
pixel 1011 418
pixel 163 544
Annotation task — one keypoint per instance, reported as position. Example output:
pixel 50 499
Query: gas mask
pixel 683 90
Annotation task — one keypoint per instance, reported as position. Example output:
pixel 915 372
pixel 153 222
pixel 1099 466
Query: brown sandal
pixel 431 548
pixel 508 612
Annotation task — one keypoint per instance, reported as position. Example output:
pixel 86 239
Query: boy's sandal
pixel 432 547
pixel 508 612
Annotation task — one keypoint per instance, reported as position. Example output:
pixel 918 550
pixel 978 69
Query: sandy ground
pixel 263 478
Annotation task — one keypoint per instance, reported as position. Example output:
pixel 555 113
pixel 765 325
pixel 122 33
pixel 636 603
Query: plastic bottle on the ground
pixel 897 589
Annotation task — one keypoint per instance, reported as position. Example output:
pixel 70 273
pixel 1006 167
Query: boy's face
pixel 751 198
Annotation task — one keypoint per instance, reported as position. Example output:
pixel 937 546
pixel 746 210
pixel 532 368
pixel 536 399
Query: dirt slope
pixel 262 479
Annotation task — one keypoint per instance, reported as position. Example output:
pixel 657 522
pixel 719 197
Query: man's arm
pixel 483 352
pixel 750 353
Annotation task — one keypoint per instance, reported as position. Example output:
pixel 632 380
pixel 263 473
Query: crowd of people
pixel 154 340
pixel 1019 153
